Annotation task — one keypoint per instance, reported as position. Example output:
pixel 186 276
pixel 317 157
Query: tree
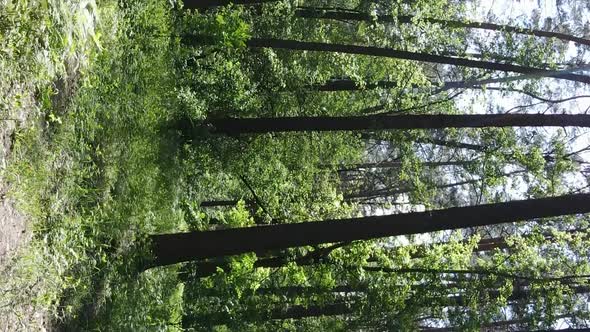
pixel 457 283
pixel 203 4
pixel 389 192
pixel 432 289
pixel 413 56
pixel 382 122
pixel 390 53
pixel 398 164
pixel 230 202
pixel 196 270
pixel 352 85
pixel 352 15
pixel 279 313
pixel 181 247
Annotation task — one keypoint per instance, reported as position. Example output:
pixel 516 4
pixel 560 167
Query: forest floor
pixel 82 104
pixel 15 231
pixel 28 79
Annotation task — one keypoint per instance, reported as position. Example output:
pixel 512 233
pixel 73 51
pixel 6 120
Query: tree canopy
pixel 307 165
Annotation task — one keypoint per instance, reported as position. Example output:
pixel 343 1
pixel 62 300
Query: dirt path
pixel 13 230
pixel 19 109
pixel 13 224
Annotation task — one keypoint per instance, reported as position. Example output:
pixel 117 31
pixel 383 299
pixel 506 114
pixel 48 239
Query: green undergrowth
pixel 104 162
pixel 39 42
pixel 96 173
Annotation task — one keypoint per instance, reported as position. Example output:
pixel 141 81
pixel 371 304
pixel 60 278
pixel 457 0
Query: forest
pixel 295 165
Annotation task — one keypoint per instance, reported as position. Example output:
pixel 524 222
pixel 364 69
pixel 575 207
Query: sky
pixel 514 12
pixel 519 12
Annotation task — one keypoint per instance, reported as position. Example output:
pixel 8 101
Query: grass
pixel 93 169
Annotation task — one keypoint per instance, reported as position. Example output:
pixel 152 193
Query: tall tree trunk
pixel 339 14
pixel 218 203
pixel 478 83
pixel 202 4
pixel 489 244
pixel 300 311
pixel 516 295
pixel 549 157
pixel 530 94
pixel 182 247
pixel 334 85
pixel 483 245
pixel 341 84
pixel 287 312
pixel 392 53
pixel 205 269
pixel 398 164
pixel 454 144
pixel 381 122
pixel 338 85
pixel 398 54
pixel 504 324
pixel 336 14
pixel 566 280
pixel 292 291
pixel 388 192
pixel 581 329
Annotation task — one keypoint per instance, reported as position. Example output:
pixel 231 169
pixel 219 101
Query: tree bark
pixel 292 291
pixel 489 244
pixel 516 295
pixel 205 269
pixel 478 83
pixel 331 309
pixel 288 312
pixel 397 164
pixel 581 329
pixel 182 247
pixel 505 324
pixel 339 85
pixel 203 4
pixel 530 94
pixel 351 85
pixel 548 157
pixel 381 122
pixel 197 40
pixel 388 192
pixel 218 203
pixel 398 54
pixel 454 144
pixel 335 14
pixel 299 311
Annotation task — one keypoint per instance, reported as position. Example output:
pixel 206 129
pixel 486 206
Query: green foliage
pixel 120 146
pixel 225 28
pixel 93 182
